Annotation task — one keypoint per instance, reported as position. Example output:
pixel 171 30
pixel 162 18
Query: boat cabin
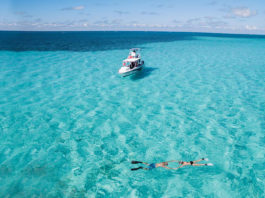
pixel 131 62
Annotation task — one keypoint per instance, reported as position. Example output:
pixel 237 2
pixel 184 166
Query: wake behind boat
pixel 132 64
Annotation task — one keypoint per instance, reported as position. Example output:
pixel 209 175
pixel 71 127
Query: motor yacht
pixel 132 63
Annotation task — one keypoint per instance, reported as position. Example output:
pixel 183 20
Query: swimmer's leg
pixel 138 162
pixel 145 163
pixel 134 169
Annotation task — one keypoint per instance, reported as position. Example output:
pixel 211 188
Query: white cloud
pixel 78 8
pixel 149 13
pixel 23 14
pixel 121 12
pixel 143 25
pixel 74 8
pixel 243 12
pixel 205 22
pixel 108 23
pixel 251 27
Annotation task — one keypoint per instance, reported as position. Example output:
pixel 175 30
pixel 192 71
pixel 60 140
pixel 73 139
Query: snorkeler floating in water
pixel 165 164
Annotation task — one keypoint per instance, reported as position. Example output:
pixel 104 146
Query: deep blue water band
pixel 94 41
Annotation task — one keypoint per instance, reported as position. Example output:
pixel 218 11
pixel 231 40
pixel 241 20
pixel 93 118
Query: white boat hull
pixel 126 71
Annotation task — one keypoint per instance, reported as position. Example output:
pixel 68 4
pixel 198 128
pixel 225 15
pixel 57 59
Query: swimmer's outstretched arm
pixel 209 164
pixel 199 164
pixel 174 161
pixel 205 159
pixel 172 168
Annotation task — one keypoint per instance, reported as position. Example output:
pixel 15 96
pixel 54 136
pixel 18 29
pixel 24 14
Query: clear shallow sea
pixel 70 125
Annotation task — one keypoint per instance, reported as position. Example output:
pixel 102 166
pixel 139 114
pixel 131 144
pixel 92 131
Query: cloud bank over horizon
pixel 205 16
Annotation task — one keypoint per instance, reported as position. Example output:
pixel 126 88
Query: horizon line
pixel 254 34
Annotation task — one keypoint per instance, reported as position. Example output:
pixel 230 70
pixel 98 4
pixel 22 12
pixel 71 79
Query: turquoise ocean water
pixel 70 125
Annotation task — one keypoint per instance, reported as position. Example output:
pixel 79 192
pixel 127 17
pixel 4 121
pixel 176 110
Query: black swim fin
pixel 134 169
pixel 136 162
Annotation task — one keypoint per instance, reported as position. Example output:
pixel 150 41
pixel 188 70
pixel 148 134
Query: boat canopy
pixel 135 49
pixel 131 60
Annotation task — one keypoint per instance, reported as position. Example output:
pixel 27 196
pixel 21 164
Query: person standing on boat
pixel 133 53
pixel 165 164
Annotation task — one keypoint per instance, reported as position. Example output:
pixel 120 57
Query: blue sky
pixel 225 16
